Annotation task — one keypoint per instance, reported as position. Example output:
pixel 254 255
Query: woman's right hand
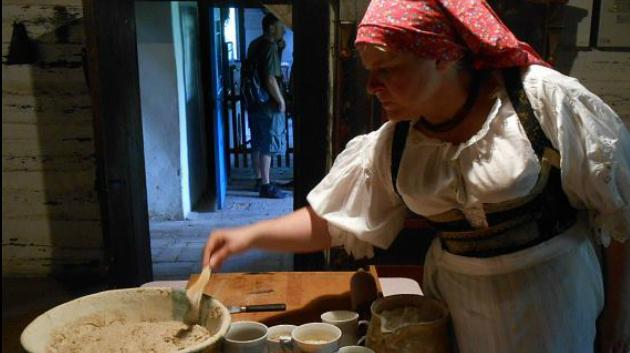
pixel 223 243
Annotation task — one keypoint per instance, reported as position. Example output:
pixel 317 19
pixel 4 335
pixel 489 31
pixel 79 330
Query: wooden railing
pixel 239 139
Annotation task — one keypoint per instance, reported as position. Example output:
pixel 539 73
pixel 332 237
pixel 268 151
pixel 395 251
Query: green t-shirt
pixel 267 57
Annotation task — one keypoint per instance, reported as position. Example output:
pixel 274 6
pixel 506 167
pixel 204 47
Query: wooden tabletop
pixel 306 294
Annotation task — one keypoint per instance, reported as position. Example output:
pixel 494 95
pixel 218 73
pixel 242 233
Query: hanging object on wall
pixel 22 49
pixel 577 23
pixel 614 24
pixel 283 12
pixel 538 22
pixel 347 33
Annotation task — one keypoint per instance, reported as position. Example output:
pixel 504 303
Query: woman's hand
pixel 609 342
pixel 223 243
pixel 614 322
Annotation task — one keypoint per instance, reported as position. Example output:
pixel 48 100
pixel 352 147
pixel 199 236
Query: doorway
pixel 197 151
pixel 112 58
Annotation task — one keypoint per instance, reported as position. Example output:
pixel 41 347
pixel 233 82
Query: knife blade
pixel 234 309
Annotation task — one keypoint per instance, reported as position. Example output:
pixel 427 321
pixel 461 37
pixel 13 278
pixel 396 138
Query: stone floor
pixel 176 246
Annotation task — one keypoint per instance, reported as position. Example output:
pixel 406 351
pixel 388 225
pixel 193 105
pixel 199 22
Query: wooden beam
pixel 311 50
pixel 115 91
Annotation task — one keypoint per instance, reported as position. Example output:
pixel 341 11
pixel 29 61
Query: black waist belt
pixel 546 216
pixel 499 240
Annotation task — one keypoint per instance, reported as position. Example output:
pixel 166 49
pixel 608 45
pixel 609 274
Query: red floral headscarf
pixel 446 30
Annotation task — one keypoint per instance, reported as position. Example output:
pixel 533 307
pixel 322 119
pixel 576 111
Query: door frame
pixel 115 93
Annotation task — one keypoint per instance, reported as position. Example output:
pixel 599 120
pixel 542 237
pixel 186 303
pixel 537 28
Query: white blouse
pixel 496 164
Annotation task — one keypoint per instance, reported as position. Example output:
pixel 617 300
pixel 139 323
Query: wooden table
pixel 306 294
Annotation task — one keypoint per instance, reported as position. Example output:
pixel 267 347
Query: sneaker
pixel 270 191
pixel 258 184
pixel 287 184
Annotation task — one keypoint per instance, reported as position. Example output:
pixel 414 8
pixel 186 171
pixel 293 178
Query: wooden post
pixel 115 91
pixel 311 51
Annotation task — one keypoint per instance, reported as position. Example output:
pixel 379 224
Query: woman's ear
pixel 444 65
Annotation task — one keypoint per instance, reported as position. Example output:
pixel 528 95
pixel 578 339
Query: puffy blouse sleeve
pixel 357 198
pixel 594 146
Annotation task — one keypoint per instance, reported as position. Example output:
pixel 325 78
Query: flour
pixel 407 315
pixel 98 334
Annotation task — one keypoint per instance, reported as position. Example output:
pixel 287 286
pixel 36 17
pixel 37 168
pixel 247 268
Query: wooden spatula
pixel 194 294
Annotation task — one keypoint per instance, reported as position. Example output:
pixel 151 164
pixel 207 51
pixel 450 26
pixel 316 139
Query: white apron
pixel 502 304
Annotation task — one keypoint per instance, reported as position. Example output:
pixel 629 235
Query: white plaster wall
pixel 160 113
pixel 50 213
pixel 193 122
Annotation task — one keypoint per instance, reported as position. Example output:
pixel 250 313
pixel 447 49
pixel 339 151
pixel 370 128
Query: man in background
pixel 266 120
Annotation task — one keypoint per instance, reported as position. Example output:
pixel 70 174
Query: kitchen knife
pixel 233 309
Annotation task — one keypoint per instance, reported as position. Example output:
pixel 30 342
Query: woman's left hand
pixel 610 340
pixel 613 325
pixel 618 346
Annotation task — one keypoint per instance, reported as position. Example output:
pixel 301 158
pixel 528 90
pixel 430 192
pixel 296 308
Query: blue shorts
pixel 268 130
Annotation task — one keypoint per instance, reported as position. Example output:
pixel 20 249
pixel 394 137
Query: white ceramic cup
pixel 246 337
pixel 316 337
pixel 277 335
pixel 347 321
pixel 355 349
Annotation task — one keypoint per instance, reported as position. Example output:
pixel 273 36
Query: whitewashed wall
pixel 160 114
pixel 607 74
pixel 50 212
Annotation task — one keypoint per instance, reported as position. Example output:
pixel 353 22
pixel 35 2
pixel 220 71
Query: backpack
pixel 252 89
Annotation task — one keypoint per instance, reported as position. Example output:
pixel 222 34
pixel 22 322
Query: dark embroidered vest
pixel 546 207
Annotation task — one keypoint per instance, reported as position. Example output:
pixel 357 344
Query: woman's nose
pixel 374 85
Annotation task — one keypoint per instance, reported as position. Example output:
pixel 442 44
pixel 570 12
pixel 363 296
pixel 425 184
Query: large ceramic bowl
pixel 134 305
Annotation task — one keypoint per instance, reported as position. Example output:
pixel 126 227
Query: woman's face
pixel 404 83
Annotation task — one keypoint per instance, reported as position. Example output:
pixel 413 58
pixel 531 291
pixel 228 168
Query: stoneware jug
pixel 408 323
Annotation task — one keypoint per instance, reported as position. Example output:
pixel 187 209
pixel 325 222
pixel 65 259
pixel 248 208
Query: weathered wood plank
pixel 30 3
pixel 51 196
pixel 24 114
pixel 38 251
pixel 45 23
pixel 38 267
pixel 51 89
pixel 30 205
pixel 69 146
pixel 43 78
pixel 68 163
pixel 61 233
pixel 73 115
pixel 51 182
pixel 25 267
pixel 51 214
pixel 57 101
pixel 50 103
pixel 28 133
pixel 66 55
